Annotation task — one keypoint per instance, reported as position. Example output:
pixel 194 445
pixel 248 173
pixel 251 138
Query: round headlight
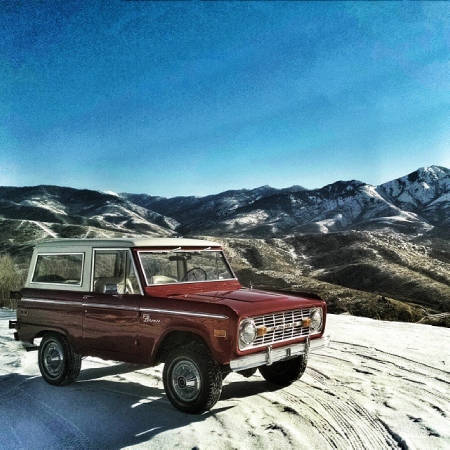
pixel 247 332
pixel 316 319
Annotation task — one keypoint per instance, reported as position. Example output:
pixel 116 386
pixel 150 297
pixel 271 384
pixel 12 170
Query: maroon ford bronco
pixel 171 301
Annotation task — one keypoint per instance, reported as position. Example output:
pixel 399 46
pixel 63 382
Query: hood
pixel 255 301
pixel 246 295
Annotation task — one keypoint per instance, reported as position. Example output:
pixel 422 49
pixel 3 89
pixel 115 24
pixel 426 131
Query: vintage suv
pixel 172 301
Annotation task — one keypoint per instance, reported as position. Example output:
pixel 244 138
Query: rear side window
pixel 59 268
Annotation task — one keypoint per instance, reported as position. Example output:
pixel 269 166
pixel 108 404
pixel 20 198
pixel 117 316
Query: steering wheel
pixel 194 274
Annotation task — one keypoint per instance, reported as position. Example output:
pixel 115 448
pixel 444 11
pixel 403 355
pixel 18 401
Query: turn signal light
pixel 261 331
pixel 306 322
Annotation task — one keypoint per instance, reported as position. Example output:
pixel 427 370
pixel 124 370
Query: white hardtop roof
pixel 128 242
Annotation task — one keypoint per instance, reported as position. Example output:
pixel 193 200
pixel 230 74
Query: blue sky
pixel 198 97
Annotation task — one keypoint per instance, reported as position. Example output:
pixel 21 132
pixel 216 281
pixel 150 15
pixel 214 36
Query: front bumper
pixel 270 355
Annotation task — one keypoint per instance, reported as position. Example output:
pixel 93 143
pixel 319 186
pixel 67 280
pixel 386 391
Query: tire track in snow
pixel 342 421
pixel 53 430
pixel 383 386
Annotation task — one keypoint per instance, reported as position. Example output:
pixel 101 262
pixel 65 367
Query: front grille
pixel 282 326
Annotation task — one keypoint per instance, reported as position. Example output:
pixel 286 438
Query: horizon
pixel 193 98
pixel 109 192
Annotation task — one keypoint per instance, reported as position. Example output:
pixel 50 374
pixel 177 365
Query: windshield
pixel 182 267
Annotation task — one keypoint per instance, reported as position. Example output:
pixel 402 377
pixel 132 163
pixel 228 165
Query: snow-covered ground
pixel 380 385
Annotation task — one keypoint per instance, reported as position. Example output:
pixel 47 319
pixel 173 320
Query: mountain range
pixel 417 203
pixel 341 240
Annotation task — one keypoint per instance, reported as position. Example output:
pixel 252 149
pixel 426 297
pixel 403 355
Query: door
pixel 111 309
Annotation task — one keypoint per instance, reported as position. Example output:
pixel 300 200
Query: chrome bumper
pixel 270 355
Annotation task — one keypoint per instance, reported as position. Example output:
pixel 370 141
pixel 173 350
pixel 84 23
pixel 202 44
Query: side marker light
pixel 220 333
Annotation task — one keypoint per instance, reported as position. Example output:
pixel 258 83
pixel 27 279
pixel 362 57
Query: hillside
pixel 352 242
pixel 363 273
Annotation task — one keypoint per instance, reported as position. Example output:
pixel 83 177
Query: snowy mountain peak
pixel 418 189
pixel 411 204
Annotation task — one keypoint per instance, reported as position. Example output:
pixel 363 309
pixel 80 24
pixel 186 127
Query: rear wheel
pixel 285 372
pixel 58 363
pixel 192 379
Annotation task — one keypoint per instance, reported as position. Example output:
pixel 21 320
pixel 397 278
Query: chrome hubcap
pixel 53 359
pixel 186 380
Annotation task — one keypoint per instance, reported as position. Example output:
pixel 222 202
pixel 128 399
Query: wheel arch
pixel 60 331
pixel 178 338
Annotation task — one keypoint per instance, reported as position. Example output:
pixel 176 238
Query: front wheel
pixel 58 363
pixel 285 372
pixel 192 379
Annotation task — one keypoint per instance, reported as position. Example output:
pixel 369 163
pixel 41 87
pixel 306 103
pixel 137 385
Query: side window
pixel 114 272
pixel 59 268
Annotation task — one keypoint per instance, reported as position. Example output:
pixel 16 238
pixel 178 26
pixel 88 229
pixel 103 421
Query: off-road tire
pixel 286 372
pixel 58 363
pixel 192 379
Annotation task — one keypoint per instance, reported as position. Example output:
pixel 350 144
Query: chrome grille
pixel 282 326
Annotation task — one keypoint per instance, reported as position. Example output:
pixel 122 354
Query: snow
pixel 110 193
pixel 379 385
pixel 444 198
pixel 46 203
pixel 45 228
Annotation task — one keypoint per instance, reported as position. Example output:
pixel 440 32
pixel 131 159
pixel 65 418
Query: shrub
pixel 10 279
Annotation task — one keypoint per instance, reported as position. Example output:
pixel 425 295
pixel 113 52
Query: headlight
pixel 247 332
pixel 316 319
